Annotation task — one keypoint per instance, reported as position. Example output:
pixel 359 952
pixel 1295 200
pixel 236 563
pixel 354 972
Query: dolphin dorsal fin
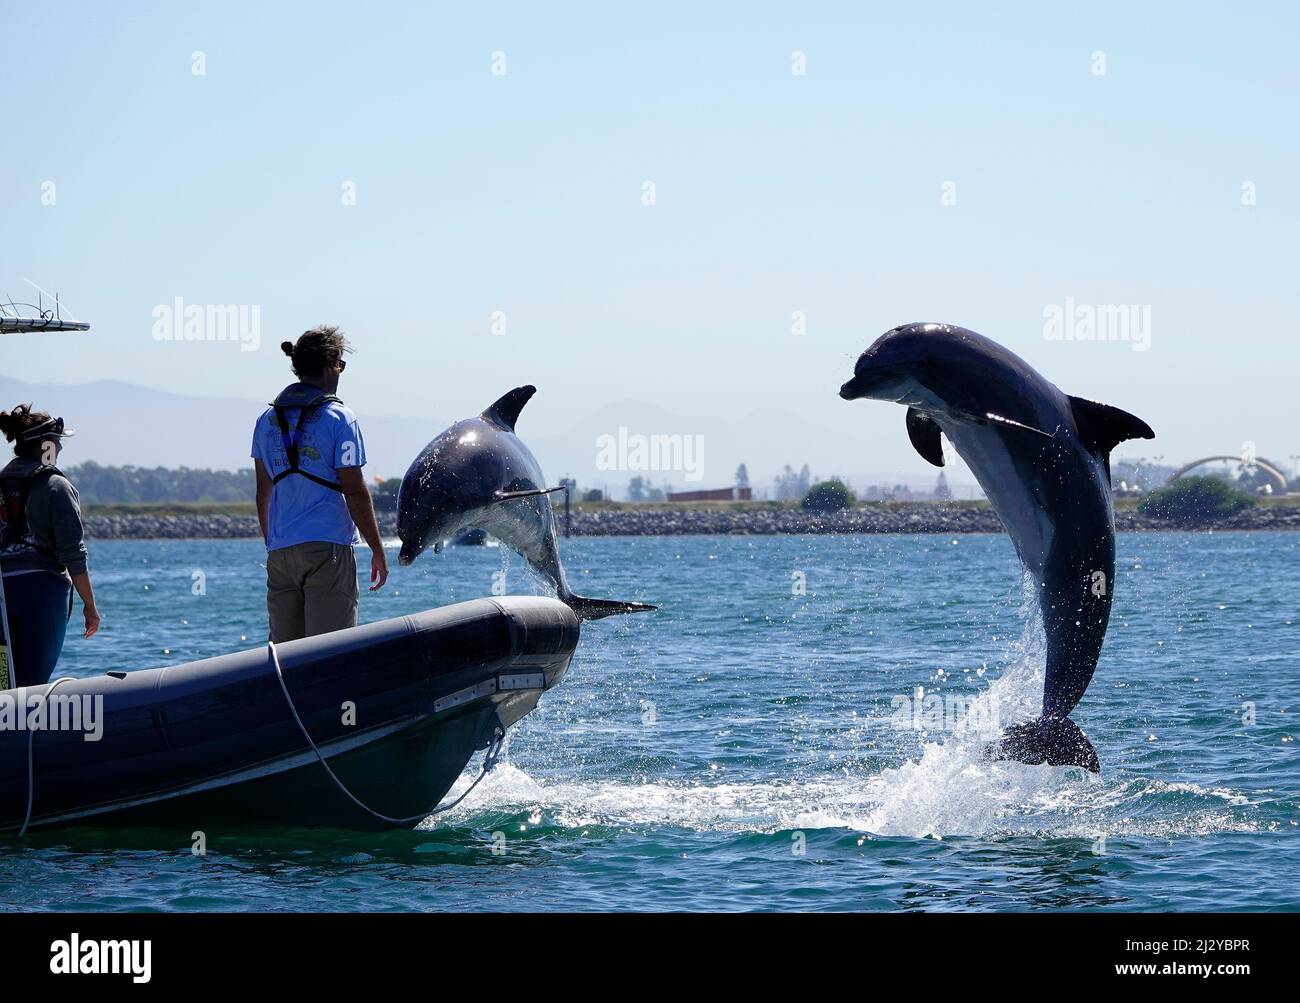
pixel 1102 427
pixel 924 433
pixel 505 411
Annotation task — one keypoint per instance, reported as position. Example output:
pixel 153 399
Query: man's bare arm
pixel 264 488
pixel 362 509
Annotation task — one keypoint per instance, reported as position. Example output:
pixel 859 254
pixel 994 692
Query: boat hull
pixel 397 708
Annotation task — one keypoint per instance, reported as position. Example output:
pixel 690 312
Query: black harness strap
pixel 15 530
pixel 293 440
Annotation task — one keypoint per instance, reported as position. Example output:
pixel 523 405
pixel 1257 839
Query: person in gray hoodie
pixel 42 547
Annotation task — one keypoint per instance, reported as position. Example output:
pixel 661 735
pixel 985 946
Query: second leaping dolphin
pixel 1043 460
pixel 478 474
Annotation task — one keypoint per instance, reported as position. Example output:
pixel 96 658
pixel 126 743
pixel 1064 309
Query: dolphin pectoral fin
pixel 1054 741
pixel 924 432
pixel 508 495
pixel 597 609
pixel 1102 427
pixel 505 410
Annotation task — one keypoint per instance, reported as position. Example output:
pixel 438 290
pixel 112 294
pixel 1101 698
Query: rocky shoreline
pixel 669 521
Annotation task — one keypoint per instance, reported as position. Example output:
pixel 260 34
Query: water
pixel 740 749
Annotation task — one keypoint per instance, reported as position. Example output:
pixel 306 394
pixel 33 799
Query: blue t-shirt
pixel 303 511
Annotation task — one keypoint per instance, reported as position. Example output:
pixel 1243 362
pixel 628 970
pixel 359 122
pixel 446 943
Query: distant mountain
pixel 708 448
pixel 120 423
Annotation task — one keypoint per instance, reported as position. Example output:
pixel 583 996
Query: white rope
pixel 490 759
pixel 31 740
pixel 10 672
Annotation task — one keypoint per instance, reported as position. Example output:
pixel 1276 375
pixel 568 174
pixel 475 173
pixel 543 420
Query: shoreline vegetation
pixel 238 520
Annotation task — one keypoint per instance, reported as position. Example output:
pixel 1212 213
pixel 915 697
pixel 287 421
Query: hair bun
pixel 287 348
pixel 12 423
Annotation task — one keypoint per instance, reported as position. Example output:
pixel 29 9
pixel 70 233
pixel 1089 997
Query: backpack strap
pixel 14 529
pixel 293 440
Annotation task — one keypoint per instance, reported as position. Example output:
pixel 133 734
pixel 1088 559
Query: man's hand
pixel 81 582
pixel 378 569
pixel 92 620
pixel 362 510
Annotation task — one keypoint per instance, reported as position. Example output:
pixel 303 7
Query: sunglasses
pixel 52 429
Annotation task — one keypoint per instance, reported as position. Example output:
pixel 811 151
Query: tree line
pixel 101 485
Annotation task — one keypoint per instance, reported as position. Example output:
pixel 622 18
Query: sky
pixel 939 162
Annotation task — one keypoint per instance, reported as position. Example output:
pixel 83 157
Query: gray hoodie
pixel 54 520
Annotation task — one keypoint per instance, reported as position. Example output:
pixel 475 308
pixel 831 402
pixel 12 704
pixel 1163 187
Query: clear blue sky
pixel 775 193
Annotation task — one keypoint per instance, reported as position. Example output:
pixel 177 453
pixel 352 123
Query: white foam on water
pixel 942 794
pixel 949 789
pixel 953 788
pixel 742 807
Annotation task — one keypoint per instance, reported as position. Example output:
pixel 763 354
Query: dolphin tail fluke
pixel 596 609
pixel 1054 741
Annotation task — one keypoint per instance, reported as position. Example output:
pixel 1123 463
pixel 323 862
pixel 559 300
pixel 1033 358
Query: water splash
pixel 936 798
pixel 952 788
pixel 946 788
pixel 940 795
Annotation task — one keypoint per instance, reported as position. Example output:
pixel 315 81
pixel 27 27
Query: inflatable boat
pixel 363 728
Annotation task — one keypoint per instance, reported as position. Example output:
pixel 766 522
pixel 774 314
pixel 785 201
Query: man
pixel 312 497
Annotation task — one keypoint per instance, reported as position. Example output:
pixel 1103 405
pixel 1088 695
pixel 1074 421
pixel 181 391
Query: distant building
pixel 713 494
pixel 941 490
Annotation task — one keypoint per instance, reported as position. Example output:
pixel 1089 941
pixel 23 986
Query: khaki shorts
pixel 311 588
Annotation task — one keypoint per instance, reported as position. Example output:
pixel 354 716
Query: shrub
pixel 1195 499
pixel 828 496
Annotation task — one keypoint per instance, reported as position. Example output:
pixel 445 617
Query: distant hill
pixel 121 424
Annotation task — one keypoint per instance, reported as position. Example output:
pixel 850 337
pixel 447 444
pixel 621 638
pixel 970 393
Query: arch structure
pixel 1273 471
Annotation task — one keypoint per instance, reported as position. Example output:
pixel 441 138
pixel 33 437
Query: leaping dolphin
pixel 1043 460
pixel 478 474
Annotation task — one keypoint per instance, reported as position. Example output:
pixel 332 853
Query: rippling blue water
pixel 740 749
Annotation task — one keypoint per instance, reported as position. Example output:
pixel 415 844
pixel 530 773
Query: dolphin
pixel 1043 460
pixel 478 474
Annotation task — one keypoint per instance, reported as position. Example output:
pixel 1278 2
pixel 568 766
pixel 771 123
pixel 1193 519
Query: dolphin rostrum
pixel 1043 460
pixel 478 474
